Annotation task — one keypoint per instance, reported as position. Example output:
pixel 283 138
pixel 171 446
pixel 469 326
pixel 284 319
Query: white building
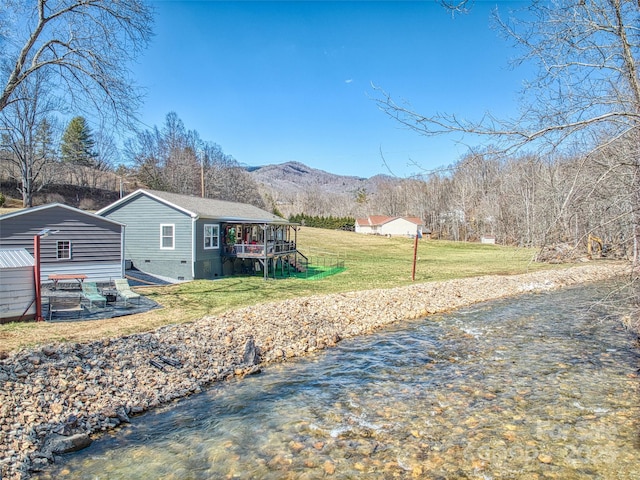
pixel 391 226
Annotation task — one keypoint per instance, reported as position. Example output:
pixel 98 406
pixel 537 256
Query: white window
pixel 211 236
pixel 167 237
pixel 63 250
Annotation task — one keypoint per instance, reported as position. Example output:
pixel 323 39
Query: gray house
pixel 79 243
pixel 184 238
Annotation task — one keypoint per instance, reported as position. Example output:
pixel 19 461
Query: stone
pixel 250 356
pixel 60 444
pixel 34 359
pixel 296 447
pixel 329 468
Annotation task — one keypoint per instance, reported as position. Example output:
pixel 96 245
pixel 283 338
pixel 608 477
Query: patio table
pixel 56 277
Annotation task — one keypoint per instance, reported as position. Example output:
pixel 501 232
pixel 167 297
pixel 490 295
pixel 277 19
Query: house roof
pixel 30 210
pixel 415 220
pixel 204 207
pixel 377 220
pixel 15 257
pixel 373 220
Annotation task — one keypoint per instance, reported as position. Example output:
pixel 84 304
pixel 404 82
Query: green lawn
pixel 370 262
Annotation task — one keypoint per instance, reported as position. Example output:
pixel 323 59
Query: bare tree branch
pixel 587 54
pixel 85 43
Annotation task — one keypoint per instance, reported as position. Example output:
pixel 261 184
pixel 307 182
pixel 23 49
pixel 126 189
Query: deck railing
pixel 258 249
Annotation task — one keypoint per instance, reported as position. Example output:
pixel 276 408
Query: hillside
pixel 85 198
pixel 294 188
pixel 293 177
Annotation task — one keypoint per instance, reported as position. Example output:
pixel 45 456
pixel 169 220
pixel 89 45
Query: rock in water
pixel 59 444
pixel 250 356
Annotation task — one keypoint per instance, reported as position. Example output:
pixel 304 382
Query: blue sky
pixel 272 82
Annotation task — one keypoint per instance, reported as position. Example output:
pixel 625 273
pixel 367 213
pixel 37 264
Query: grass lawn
pixel 370 261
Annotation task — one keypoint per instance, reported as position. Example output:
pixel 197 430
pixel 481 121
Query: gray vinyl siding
pixel 208 263
pixel 95 242
pixel 102 272
pixel 143 216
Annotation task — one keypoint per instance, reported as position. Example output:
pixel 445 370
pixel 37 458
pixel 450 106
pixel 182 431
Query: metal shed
pixel 17 287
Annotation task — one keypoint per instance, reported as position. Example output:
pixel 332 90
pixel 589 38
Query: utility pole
pixel 202 179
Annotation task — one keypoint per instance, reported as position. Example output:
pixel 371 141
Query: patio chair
pixel 124 290
pixel 90 292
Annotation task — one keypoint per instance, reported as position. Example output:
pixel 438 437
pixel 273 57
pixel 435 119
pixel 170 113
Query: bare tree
pixel 144 150
pixel 84 44
pixel 586 93
pixel 178 160
pixel 586 51
pixel 182 156
pixel 28 137
pixel 107 152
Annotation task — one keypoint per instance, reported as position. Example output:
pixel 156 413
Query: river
pixel 538 386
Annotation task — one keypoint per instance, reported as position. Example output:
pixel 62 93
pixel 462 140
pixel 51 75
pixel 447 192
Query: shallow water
pixel 540 386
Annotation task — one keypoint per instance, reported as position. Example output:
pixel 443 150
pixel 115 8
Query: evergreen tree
pixel 44 145
pixel 77 145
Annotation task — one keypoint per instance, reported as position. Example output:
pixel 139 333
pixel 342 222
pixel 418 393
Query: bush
pixel 2 199
pixel 54 198
pixel 87 204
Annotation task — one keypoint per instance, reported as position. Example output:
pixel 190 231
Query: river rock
pixel 60 444
pixel 250 356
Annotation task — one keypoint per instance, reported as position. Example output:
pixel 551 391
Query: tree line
pixel 329 222
pixel 173 158
pixel 524 200
pixel 170 158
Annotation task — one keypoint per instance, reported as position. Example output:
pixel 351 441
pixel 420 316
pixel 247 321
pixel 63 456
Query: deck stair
pixel 299 264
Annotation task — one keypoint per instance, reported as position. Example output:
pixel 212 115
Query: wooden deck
pixel 256 250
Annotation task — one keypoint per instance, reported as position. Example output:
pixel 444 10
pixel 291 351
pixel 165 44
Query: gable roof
pixel 373 220
pixel 198 207
pixel 30 210
pixel 378 220
pixel 415 220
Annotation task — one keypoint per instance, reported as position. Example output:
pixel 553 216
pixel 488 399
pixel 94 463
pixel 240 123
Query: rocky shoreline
pixel 54 397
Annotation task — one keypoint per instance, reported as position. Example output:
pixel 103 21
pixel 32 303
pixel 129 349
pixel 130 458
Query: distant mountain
pixel 293 177
pixel 293 187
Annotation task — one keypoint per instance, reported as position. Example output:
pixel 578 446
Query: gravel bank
pixel 52 398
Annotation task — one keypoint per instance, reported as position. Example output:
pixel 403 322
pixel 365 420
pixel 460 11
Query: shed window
pixel 63 250
pixel 167 237
pixel 211 236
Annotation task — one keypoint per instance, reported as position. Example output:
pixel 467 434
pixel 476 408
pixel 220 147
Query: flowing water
pixel 539 386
